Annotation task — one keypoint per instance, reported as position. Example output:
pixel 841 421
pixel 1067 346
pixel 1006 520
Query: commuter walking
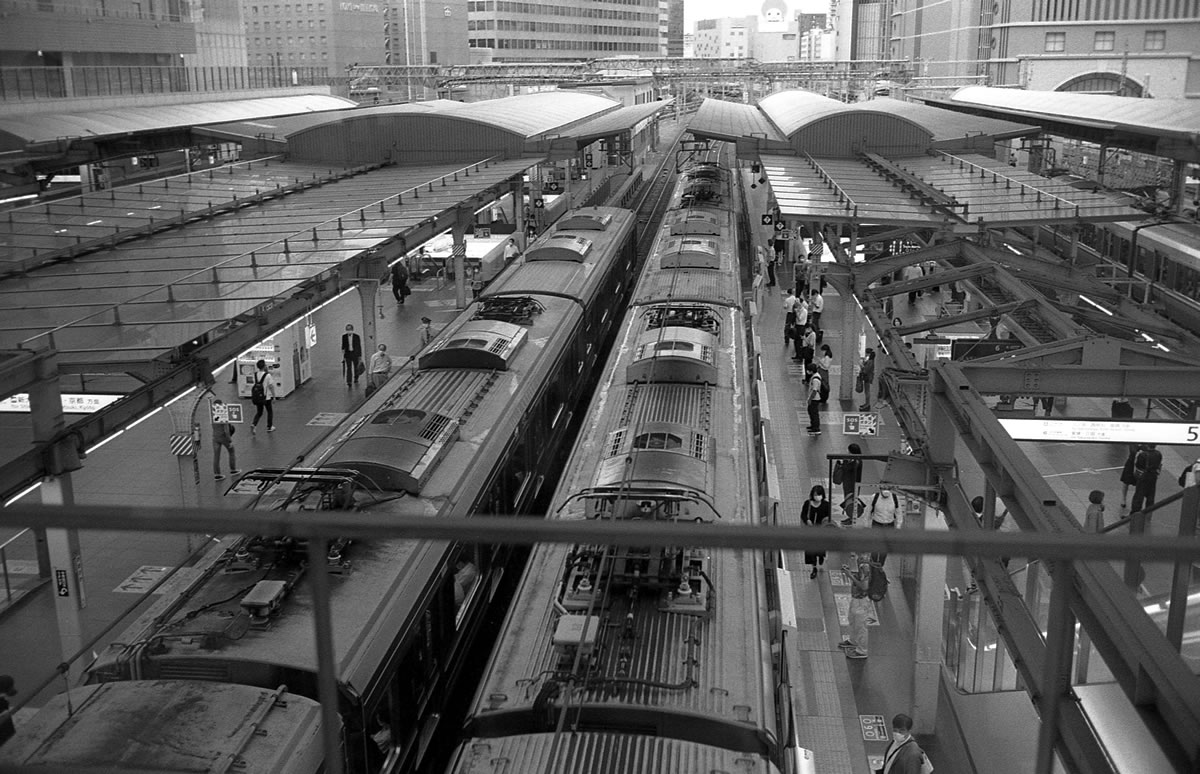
pixel 855 643
pixel 815 513
pixel 912 272
pixel 426 331
pixel 380 368
pixel 400 289
pixel 222 434
pixel 801 320
pixel 814 405
pixel 352 354
pixel 262 395
pixel 511 251
pixel 903 755
pixel 866 375
pixel 1146 467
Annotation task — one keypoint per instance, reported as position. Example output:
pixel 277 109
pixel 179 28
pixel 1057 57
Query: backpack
pixel 1147 461
pixel 877 586
pixel 895 501
pixel 258 393
pixel 838 473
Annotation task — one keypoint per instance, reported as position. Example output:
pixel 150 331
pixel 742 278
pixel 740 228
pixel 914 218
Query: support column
pixel 1182 575
pixel 61 545
pixel 1056 670
pixel 927 630
pixel 368 297
pixel 517 188
pixel 66 560
pixel 462 220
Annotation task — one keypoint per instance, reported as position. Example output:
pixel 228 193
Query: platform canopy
pixel 959 193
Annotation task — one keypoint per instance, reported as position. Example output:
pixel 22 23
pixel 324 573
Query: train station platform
pixel 137 467
pixel 844 706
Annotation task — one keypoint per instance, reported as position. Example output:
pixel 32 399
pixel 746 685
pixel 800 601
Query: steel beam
pixel 1084 381
pixel 982 314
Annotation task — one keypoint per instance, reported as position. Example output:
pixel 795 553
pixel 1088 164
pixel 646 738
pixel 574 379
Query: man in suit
pixel 904 755
pixel 351 355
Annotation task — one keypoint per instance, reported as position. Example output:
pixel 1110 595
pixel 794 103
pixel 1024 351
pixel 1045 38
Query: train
pixel 1156 261
pixel 652 659
pixel 474 426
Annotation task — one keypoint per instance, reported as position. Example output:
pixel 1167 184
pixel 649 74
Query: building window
pixel 1104 41
pixel 1156 40
pixel 1056 41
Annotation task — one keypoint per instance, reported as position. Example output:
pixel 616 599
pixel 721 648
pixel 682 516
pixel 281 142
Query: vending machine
pixel 287 354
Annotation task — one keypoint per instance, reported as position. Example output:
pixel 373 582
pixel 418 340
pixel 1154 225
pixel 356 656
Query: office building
pixel 567 31
pixel 1110 46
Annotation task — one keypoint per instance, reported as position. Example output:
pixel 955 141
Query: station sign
pixel 1102 431
pixel 227 412
pixel 72 403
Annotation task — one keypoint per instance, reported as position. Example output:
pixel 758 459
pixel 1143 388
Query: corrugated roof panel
pixel 1174 117
pixel 731 121
pixel 281 126
pixel 602 753
pixel 46 127
pixel 619 120
pixel 949 124
pixel 535 114
pixel 790 110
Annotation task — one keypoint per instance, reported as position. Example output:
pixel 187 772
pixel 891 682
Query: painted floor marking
pixel 326 419
pixel 140 581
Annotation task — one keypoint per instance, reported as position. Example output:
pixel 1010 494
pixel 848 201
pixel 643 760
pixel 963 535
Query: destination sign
pixel 72 403
pixel 1102 431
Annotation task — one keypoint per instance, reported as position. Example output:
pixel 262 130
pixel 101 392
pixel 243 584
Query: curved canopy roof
pixel 1162 117
pixel 279 127
pixel 947 125
pixel 530 115
pixel 791 110
pixel 17 131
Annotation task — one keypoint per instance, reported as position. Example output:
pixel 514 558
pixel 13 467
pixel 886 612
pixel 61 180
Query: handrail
pixel 1011 181
pixel 252 254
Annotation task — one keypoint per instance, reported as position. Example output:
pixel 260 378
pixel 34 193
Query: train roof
pixel 599 753
pixel 692 673
pixel 172 726
pixel 562 260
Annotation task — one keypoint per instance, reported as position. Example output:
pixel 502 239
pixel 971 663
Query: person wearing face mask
pixel 885 513
pixel 815 513
pixel 904 755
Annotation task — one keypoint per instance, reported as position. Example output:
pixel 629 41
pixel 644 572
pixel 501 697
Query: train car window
pixel 466 583
pixel 658 441
pixel 558 412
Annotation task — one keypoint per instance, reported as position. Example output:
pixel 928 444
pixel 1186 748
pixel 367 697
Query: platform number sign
pixel 539 204
pixel 780 226
pixel 767 219
pixel 874 729
pixel 60 583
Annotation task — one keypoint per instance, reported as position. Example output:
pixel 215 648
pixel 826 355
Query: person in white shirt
pixel 381 367
pixel 815 307
pixel 789 314
pixel 885 513
pixel 511 251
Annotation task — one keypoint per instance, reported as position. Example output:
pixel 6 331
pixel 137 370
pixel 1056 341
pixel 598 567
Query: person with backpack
pixel 866 375
pixel 855 643
pixel 814 405
pixel 262 395
pixel 823 364
pixel 1147 464
pixel 885 513
pixel 904 755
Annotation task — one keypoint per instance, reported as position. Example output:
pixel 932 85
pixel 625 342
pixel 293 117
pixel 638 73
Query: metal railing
pixel 30 83
pixel 13 588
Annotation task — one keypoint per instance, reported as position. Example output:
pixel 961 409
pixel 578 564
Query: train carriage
pixel 171 726
pixel 646 659
pixel 473 427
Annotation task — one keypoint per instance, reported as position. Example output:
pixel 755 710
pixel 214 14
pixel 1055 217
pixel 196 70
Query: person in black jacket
pixel 815 513
pixel 851 478
pixel 1146 467
pixel 351 355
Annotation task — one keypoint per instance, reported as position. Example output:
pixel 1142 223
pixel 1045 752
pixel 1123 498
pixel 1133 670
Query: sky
pixel 694 10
